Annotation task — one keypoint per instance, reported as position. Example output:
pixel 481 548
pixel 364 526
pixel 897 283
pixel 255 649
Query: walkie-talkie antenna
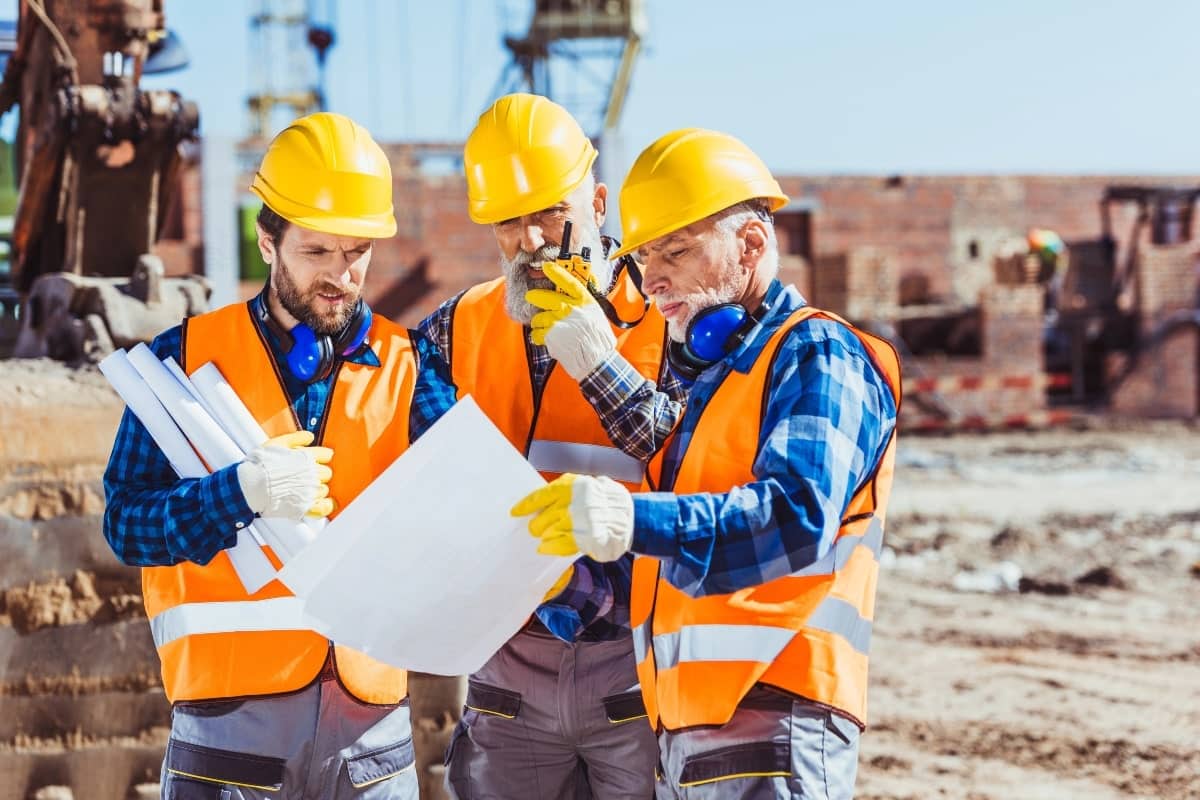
pixel 564 249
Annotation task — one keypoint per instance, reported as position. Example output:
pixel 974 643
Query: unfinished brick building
pixel 885 250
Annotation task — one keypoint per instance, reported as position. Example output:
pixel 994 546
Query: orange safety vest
pixel 806 633
pixel 216 641
pixel 559 431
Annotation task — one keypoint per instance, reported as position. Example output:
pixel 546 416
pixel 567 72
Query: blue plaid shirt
pixel 155 518
pixel 828 418
pixel 638 415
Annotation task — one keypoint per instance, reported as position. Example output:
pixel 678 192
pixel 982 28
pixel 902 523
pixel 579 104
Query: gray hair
pixel 729 221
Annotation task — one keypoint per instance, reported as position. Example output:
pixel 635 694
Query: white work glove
pixel 571 324
pixel 580 513
pixel 287 478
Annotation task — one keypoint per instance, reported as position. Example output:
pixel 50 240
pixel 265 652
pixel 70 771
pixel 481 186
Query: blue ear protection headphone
pixel 711 335
pixel 310 357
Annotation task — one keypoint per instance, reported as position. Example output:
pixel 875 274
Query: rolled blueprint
pixel 212 443
pixel 233 416
pixel 252 566
pixel 173 367
pixel 227 407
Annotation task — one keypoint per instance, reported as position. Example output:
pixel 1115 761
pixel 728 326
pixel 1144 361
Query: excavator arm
pixel 97 160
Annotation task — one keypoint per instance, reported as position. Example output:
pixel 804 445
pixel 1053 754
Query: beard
pixel 518 281
pixel 727 287
pixel 305 306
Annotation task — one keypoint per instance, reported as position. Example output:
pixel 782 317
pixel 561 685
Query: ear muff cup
pixel 712 334
pixel 311 357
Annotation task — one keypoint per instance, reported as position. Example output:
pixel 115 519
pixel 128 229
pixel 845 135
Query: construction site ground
pixel 1037 630
pixel 1073 670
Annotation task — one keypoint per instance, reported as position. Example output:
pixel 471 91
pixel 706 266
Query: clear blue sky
pixel 880 87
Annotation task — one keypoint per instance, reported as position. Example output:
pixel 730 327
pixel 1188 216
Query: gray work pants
pixel 774 747
pixel 319 742
pixel 547 720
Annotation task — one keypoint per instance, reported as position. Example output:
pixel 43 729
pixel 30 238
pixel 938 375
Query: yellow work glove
pixel 559 584
pixel 287 478
pixel 580 513
pixel 571 324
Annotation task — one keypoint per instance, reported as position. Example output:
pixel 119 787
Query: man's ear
pixel 266 245
pixel 754 243
pixel 600 204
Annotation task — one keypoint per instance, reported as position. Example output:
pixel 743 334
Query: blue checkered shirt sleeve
pixel 828 419
pixel 637 414
pixel 434 393
pixel 152 517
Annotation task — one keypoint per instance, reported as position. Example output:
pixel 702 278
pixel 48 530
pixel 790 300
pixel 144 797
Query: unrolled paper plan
pixel 426 569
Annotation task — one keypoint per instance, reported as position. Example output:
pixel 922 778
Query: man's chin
pixel 328 324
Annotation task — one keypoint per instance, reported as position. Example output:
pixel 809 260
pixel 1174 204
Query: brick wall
pixel 931 222
pixel 861 284
pixel 1011 359
pixel 939 232
pixel 875 241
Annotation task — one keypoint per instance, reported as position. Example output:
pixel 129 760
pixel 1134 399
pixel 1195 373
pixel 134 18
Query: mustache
pixel 329 288
pixel 541 255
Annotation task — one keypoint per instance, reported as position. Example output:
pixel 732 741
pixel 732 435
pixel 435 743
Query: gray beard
pixel 518 281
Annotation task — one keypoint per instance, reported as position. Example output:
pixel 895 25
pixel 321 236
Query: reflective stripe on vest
pixel 189 619
pixel 834 615
pixel 558 431
pixel 839 555
pixel 762 643
pixel 584 459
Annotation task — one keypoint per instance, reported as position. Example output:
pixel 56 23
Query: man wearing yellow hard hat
pixel 262 706
pixel 758 534
pixel 563 354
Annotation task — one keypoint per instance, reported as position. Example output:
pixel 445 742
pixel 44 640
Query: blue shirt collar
pixel 783 300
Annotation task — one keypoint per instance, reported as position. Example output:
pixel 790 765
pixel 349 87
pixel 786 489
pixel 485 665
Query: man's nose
pixel 340 276
pixel 532 238
pixel 654 278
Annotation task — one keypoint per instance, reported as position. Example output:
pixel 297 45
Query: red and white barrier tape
pixel 977 422
pixel 949 384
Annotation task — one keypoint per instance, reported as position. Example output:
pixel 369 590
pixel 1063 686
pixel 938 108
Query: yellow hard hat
pixel 684 177
pixel 525 154
pixel 325 172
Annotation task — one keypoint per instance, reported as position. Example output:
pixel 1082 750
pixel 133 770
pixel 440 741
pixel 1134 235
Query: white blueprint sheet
pixel 426 570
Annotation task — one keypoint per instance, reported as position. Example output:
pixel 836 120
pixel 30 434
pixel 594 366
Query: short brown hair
pixel 272 223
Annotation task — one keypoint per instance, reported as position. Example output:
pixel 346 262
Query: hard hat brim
pixel 774 203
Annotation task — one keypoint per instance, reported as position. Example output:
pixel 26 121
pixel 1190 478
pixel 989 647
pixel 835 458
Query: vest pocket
pixel 380 764
pixel 753 760
pixel 492 700
pixel 625 707
pixel 213 766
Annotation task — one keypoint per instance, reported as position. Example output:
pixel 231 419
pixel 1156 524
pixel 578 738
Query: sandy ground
pixel 1080 676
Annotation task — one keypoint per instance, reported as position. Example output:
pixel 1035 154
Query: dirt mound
pixel 60 602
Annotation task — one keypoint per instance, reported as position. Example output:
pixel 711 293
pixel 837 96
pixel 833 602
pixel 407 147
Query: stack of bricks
pixel 1005 386
pixel 862 284
pixel 1165 381
pixel 1012 328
